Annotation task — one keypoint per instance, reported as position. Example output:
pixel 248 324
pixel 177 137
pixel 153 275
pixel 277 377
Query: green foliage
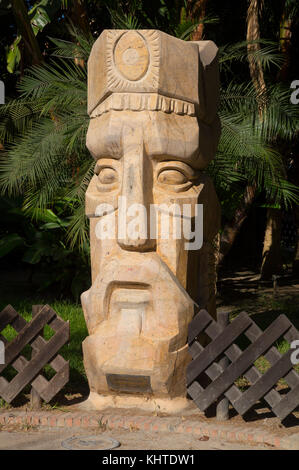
pixel 248 152
pixel 47 161
pixel 13 55
pixel 9 242
pixel 45 131
pixel 40 15
pixel 39 243
pixel 267 55
pixel 47 166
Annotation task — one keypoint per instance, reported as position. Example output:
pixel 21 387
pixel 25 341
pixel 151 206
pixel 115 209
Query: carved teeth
pixel 142 102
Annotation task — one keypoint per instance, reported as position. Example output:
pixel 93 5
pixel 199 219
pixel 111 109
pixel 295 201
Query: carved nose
pixel 134 207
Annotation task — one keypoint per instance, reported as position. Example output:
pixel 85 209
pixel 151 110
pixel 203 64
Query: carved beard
pixel 137 315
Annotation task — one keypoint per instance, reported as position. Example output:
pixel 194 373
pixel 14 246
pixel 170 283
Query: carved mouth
pixel 129 306
pixel 129 297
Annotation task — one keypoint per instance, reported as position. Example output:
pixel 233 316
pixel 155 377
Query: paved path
pixel 129 440
pixel 191 428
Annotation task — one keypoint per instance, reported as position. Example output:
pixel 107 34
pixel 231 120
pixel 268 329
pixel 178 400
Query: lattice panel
pixel 43 352
pixel 207 380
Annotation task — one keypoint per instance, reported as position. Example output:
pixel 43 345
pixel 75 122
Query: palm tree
pixel 45 129
pixel 271 259
pixel 261 167
pixel 271 256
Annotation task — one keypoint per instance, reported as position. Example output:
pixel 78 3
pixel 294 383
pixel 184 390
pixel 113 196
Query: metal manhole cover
pixel 90 443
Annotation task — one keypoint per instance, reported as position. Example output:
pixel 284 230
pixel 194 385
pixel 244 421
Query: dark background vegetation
pixel 44 242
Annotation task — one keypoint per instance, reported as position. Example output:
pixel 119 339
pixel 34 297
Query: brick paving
pixel 226 432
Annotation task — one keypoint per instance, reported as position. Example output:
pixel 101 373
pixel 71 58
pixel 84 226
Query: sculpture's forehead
pixel 149 89
pixel 144 61
pixel 160 135
pixel 153 63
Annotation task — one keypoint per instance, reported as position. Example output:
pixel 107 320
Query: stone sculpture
pixel 152 101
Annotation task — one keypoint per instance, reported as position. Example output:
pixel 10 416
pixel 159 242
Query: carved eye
pixel 107 176
pixel 172 177
pixel 175 176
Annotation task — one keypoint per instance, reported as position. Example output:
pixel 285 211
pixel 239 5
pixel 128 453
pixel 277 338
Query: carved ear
pixel 208 80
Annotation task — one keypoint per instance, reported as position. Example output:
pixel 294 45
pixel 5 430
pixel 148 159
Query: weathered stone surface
pixel 154 127
pixel 152 62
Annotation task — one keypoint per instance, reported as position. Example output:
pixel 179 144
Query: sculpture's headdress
pixel 148 69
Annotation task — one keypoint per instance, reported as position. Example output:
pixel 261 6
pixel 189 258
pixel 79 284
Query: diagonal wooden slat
pixel 214 349
pixel 34 366
pixel 273 355
pixel 252 374
pixel 198 324
pixel 7 315
pixel 287 404
pixel 18 323
pixel 29 331
pixel 40 342
pixel 233 352
pixel 233 393
pixel 264 384
pixel 49 390
pixel 43 352
pixel 205 393
pixel 237 368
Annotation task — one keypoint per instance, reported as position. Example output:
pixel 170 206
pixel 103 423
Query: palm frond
pixel 267 55
pixel 44 131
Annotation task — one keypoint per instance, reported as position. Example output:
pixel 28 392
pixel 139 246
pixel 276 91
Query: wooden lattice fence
pixel 208 380
pixel 43 353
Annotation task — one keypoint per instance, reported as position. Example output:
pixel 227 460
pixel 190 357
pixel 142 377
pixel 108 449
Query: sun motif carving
pixel 133 60
pixel 131 56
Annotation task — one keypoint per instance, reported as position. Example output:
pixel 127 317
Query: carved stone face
pixel 142 293
pixel 152 100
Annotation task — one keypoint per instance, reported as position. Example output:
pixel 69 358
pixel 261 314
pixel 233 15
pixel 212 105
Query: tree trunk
pixel 31 52
pixel 78 16
pixel 255 66
pixel 232 228
pixel 271 252
pixel 285 45
pixel 197 13
pixel 272 259
pixel 284 75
